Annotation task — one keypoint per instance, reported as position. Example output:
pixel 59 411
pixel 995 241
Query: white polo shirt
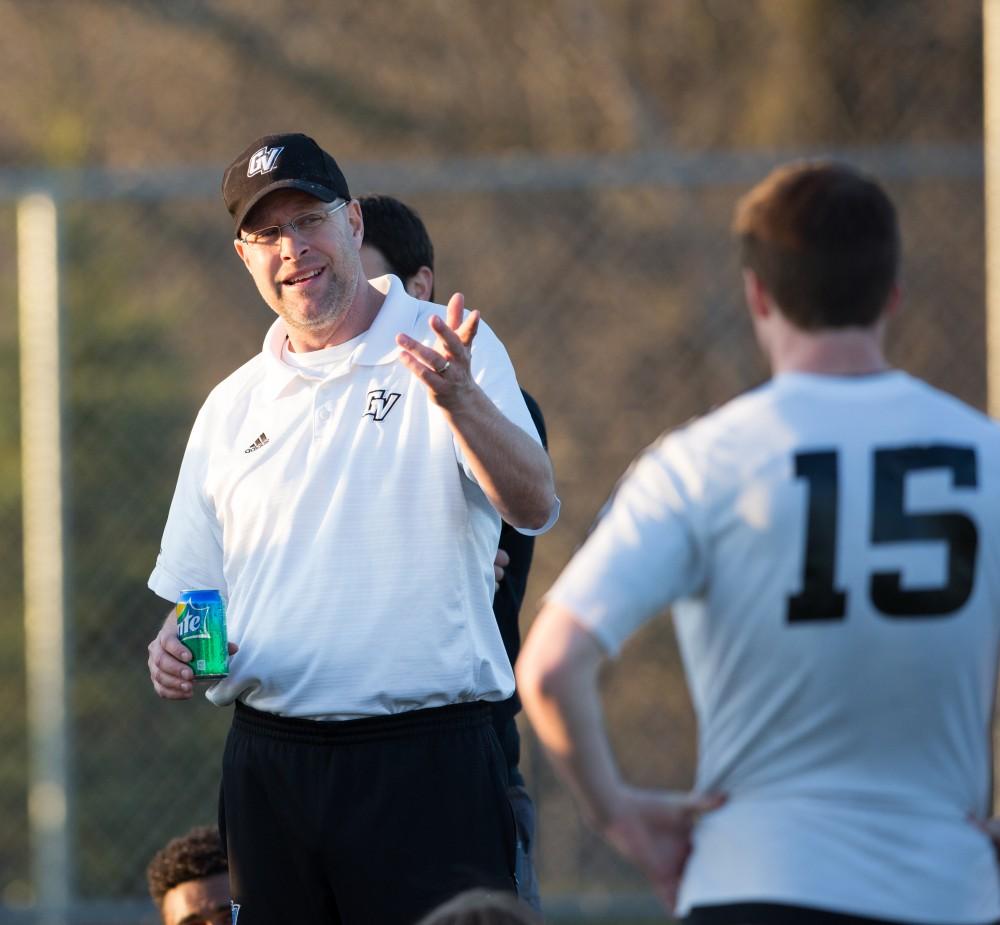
pixel 330 505
pixel 831 549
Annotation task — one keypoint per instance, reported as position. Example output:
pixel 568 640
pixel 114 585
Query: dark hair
pixel 824 241
pixel 482 907
pixel 193 856
pixel 398 233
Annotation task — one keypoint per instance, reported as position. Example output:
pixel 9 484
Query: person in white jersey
pixel 830 546
pixel 344 491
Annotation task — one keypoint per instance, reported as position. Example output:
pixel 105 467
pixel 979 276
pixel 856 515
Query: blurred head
pixel 823 241
pixel 482 907
pixel 189 879
pixel 396 241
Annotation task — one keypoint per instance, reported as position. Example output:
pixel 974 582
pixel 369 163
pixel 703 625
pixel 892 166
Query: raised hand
pixel 445 368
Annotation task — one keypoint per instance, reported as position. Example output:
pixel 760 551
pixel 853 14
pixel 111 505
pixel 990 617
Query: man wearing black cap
pixel 362 780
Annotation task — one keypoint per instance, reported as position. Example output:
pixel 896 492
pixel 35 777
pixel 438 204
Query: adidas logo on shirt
pixel 258 443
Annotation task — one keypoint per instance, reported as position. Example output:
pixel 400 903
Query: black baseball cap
pixel 280 162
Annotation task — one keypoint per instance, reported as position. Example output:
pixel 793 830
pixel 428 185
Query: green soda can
pixel 201 626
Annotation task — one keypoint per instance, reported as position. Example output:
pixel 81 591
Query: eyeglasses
pixel 307 224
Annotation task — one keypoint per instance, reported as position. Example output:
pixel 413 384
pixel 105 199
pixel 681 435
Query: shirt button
pixel 324 414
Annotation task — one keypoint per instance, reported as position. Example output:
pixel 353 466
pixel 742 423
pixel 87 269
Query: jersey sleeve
pixel 510 592
pixel 643 554
pixel 494 373
pixel 191 549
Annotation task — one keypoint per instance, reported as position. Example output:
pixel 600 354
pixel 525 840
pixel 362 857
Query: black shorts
pixel 363 821
pixel 779 914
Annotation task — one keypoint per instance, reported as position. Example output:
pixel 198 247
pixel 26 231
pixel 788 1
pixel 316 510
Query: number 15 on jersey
pixel 820 599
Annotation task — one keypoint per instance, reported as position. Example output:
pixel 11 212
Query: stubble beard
pixel 335 305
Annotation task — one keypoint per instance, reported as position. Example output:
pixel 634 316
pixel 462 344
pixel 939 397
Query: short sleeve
pixel 494 373
pixel 643 554
pixel 191 549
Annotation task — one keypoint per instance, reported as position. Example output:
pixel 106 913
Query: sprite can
pixel 201 626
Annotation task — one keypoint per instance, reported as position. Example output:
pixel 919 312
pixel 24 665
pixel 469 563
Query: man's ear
pixel 893 304
pixel 241 252
pixel 356 221
pixel 421 284
pixel 757 297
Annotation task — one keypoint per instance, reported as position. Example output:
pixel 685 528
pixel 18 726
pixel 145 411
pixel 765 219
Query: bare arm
pixel 512 469
pixel 557 679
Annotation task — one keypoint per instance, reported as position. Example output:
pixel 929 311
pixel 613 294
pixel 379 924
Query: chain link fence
pixel 612 280
pixel 621 306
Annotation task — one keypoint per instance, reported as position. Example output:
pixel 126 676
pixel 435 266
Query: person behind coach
pixel 361 681
pixel 396 241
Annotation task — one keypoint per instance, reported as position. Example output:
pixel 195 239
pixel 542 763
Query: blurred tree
pixel 619 304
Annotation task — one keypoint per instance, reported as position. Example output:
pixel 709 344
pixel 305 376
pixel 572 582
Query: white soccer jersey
pixel 831 548
pixel 332 508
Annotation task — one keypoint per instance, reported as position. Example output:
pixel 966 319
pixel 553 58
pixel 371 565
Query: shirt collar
pixel 399 313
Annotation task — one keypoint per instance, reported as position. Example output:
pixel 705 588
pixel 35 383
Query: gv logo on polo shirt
pixel 380 403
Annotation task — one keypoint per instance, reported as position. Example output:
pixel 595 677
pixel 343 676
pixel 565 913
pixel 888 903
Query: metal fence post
pixel 991 140
pixel 44 553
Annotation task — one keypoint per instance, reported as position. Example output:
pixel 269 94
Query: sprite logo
pixel 201 626
pixel 193 623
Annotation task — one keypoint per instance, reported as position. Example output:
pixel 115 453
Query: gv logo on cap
pixel 263 161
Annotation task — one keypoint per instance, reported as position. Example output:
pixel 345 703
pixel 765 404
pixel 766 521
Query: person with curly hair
pixel 189 879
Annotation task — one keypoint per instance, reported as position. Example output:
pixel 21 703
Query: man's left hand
pixel 652 829
pixel 500 563
pixel 445 368
pixel 512 468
